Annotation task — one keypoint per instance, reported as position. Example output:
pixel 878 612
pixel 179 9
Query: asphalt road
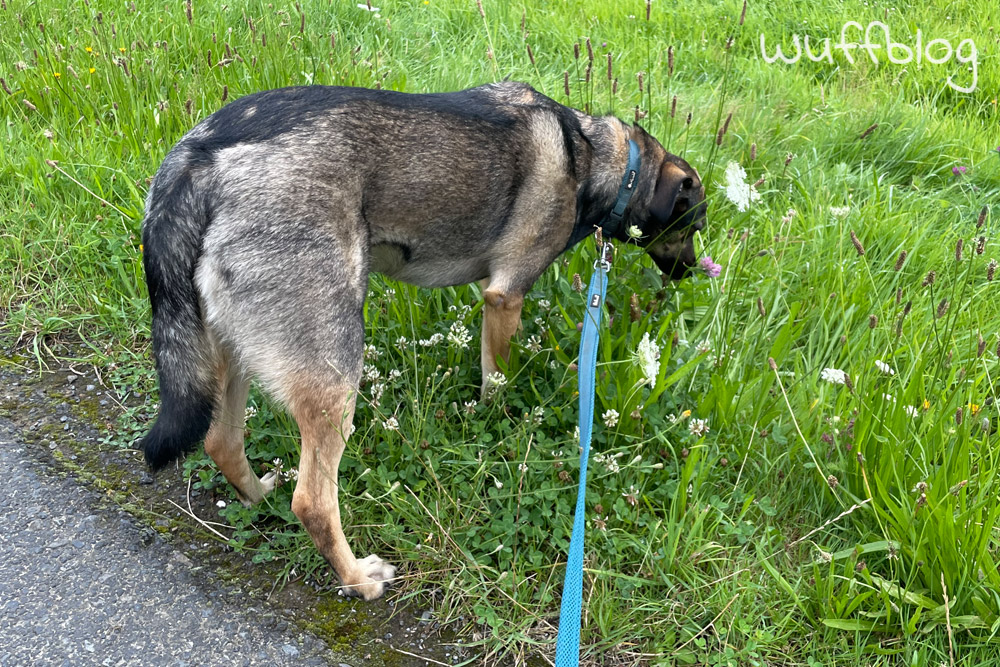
pixel 82 584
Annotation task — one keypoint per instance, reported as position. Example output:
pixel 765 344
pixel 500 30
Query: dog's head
pixel 675 212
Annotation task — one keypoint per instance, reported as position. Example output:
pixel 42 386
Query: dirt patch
pixel 66 415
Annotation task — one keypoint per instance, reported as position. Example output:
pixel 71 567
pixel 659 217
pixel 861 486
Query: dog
pixel 264 221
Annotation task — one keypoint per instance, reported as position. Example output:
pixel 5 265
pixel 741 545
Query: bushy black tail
pixel 175 222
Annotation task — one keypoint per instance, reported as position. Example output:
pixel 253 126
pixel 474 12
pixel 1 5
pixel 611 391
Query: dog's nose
pixel 699 225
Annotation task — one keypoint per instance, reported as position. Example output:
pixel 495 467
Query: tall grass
pixel 813 523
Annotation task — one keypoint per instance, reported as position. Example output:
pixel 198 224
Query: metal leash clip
pixel 607 254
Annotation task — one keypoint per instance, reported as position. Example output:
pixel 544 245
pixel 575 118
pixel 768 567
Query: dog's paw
pixel 268 482
pixel 369 579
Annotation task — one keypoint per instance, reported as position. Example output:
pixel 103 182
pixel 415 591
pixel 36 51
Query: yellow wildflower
pixel 973 408
pixel 927 404
pixel 122 49
pixel 56 74
pixel 92 70
pixel 89 50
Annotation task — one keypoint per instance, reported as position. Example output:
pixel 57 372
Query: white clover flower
pixel 534 344
pixel 470 407
pixel 840 211
pixel 833 375
pixel 391 424
pixel 610 418
pixel 911 411
pixel 698 427
pixel 432 341
pixel 371 373
pixel 499 485
pixel 540 322
pixel 401 343
pixel 389 292
pixel 251 411
pixel 576 433
pixel 372 352
pixel 647 356
pixel 884 367
pixel 522 467
pixel 544 304
pixel 459 336
pixel 395 374
pixel 276 463
pixel 738 190
pixel 889 398
pixel 634 232
pixel 537 414
pixel 704 347
pixel 496 379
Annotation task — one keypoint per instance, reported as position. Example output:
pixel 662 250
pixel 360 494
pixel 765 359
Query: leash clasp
pixel 607 254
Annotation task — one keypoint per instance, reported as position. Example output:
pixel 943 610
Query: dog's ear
pixel 671 196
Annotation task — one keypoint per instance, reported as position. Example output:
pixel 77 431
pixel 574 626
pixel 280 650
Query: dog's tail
pixel 172 231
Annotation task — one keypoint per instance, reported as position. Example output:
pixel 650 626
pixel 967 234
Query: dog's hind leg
pixel 224 442
pixel 324 413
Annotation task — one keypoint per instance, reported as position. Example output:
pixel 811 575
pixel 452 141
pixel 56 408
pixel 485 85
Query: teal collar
pixel 613 222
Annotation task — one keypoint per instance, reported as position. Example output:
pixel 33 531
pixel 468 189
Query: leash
pixel 568 642
pixel 571 607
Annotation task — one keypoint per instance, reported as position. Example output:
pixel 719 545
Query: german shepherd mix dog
pixel 264 222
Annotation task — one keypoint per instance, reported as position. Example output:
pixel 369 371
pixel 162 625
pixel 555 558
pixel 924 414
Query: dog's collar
pixel 613 222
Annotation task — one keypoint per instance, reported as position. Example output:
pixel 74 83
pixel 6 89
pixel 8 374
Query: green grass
pixel 814 524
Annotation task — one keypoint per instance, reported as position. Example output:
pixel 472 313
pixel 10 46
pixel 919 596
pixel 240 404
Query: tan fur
pixel 324 416
pixel 224 442
pixel 501 319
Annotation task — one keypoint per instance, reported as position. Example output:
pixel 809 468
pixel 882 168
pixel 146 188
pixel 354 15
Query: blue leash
pixel 568 642
pixel 570 612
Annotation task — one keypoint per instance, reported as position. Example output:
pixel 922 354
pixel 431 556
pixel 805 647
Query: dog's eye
pixel 687 183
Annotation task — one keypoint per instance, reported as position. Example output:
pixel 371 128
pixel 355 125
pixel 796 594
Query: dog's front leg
pixel 501 319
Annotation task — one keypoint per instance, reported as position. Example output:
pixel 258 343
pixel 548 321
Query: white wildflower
pixel 840 211
pixel 498 483
pixel 432 341
pixel 371 373
pixel 704 347
pixel 534 344
pixel 391 424
pixel 401 343
pixel 911 411
pixel 221 504
pixel 610 418
pixel 496 379
pixel 540 322
pixel 833 375
pixel 545 304
pixel 647 356
pixel 389 293
pixel 884 367
pixel 738 190
pixel 698 427
pixel 537 414
pixel 889 398
pixel 634 232
pixel 470 407
pixel 395 374
pixel 576 433
pixel 276 463
pixel 251 412
pixel 459 336
pixel 522 467
pixel 372 352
